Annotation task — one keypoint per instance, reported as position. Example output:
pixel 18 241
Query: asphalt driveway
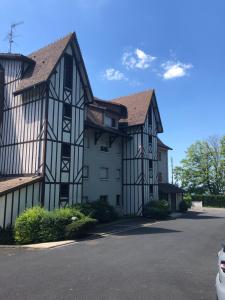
pixel 173 259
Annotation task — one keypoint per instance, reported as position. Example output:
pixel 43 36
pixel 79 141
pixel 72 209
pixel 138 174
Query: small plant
pixel 183 206
pixel 156 209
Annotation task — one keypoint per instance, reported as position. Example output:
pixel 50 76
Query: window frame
pixel 107 173
pixel 68 71
pixel 87 169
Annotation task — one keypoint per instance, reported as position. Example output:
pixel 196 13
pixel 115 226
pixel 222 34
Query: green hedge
pixel 156 209
pixel 210 200
pixel 79 228
pixel 37 225
pixel 100 210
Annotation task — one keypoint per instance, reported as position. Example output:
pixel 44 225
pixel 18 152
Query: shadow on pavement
pixel 198 215
pixel 146 230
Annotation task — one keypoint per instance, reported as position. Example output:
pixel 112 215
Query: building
pixel 59 145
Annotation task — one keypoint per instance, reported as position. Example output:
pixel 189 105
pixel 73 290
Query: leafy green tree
pixel 203 168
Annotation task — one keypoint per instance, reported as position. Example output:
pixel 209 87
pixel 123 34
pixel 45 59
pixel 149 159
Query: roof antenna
pixel 11 35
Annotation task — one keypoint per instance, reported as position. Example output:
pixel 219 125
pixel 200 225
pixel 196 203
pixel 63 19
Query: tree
pixel 203 168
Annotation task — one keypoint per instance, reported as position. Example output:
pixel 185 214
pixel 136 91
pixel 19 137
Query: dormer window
pixel 68 71
pixel 110 122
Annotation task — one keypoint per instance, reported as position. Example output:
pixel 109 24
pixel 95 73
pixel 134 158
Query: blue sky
pixel 176 47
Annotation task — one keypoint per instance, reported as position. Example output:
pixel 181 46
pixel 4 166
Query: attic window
pixel 68 71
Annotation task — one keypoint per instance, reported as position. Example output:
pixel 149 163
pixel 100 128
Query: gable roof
pixel 45 61
pixel 137 108
pixel 162 145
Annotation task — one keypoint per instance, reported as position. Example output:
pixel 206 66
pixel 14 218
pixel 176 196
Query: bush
pixel 210 200
pixel 100 210
pixel 156 209
pixel 37 225
pixel 183 206
pixel 7 236
pixel 79 228
pixel 28 225
pixel 187 198
pixel 54 223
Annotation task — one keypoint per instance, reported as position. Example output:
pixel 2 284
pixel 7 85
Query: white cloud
pixel 173 69
pixel 137 59
pixel 112 74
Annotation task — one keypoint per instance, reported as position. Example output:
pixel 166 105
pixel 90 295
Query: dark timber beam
pixel 112 139
pixel 98 134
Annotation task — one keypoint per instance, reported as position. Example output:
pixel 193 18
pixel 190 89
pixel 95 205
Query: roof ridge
pixel 133 94
pixel 51 44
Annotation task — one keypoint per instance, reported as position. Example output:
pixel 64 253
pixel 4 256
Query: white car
pixel 220 278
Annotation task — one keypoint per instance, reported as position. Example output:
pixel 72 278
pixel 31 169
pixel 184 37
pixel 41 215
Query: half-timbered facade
pixel 59 145
pixel 43 96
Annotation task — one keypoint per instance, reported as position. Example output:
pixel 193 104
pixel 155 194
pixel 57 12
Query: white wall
pixel 163 164
pixel 93 186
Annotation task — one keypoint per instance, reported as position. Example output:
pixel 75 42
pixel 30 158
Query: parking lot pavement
pixel 173 259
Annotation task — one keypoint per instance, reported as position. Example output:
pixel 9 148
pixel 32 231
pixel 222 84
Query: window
pixel 150 117
pixel 110 122
pixel 159 177
pixel 104 149
pixel 66 150
pixel 68 71
pixel 64 190
pixel 118 174
pixel 104 173
pixel 103 198
pixel 150 139
pixel 67 110
pixel 85 171
pixel 151 189
pixel 159 156
pixel 118 200
pixel 113 122
pixel 150 164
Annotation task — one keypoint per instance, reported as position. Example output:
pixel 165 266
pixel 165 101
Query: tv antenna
pixel 11 35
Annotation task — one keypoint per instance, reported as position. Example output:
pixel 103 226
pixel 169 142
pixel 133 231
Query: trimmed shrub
pixel 100 210
pixel 79 228
pixel 37 225
pixel 156 209
pixel 28 225
pixel 210 200
pixel 183 206
pixel 7 236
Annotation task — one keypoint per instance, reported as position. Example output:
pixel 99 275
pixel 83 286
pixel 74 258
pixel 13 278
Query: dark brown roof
pixel 162 145
pixel 8 184
pixel 16 56
pixel 109 106
pixel 137 108
pixel 45 60
pixel 169 188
